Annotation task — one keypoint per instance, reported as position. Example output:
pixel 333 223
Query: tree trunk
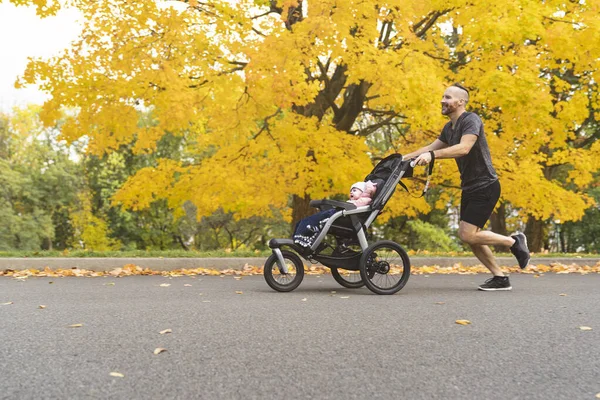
pixel 535 232
pixel 498 221
pixel 300 209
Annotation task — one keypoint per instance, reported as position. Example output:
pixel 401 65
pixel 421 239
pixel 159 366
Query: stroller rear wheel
pixel 348 279
pixel 284 282
pixel 385 267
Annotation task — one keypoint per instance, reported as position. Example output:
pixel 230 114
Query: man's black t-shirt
pixel 476 169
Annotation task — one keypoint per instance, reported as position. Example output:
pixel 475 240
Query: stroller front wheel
pixel 284 282
pixel 385 267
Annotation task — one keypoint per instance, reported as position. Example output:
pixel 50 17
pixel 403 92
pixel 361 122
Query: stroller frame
pixel 350 224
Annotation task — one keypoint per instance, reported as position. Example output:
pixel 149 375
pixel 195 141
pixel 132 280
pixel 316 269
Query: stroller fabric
pixel 308 229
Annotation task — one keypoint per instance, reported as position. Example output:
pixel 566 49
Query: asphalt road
pixel 307 344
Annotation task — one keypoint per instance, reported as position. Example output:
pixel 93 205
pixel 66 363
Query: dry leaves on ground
pixel 131 269
pixel 159 350
pixel 117 375
pixel 463 322
pixel 165 331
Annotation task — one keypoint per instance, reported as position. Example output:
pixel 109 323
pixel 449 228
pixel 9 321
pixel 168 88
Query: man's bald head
pixel 460 92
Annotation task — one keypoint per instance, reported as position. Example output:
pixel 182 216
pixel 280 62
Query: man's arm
pixel 458 150
pixel 436 145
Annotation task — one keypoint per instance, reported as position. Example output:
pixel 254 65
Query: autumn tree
pixel 277 100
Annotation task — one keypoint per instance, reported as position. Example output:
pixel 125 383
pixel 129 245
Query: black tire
pixel 385 267
pixel 347 283
pixel 284 282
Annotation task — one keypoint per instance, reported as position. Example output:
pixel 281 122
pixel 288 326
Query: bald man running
pixel 464 140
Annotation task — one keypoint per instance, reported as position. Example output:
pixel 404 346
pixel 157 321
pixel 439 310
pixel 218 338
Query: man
pixel 464 140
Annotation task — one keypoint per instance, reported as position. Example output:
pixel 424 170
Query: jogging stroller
pixel 341 245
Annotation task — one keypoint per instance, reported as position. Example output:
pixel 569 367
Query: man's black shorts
pixel 476 207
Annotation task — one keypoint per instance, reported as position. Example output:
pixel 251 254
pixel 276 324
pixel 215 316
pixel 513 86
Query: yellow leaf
pixel 165 284
pixel 117 375
pixel 562 294
pixel 187 285
pixel 42 307
pixel 239 292
pixel 585 328
pixel 159 350
pixel 6 304
pixel 75 326
pixel 304 299
pixel 463 322
pixel 344 297
pixel 165 331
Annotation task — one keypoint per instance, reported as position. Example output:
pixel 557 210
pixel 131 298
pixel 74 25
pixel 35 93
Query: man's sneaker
pixel 496 283
pixel 520 250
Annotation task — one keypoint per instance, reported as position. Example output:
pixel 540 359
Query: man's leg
pixel 484 254
pixel 479 240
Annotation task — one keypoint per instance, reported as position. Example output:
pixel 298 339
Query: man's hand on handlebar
pixel 422 159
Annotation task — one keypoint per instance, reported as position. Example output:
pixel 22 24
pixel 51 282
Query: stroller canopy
pixel 385 175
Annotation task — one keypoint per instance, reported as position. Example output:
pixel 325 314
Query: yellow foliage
pixel 278 97
pixel 91 231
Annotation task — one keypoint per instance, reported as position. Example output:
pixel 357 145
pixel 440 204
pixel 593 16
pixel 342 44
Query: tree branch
pixel 428 21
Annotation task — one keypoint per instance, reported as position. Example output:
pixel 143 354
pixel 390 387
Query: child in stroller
pixel 308 229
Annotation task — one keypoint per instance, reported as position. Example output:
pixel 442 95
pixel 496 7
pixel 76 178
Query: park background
pixel 209 126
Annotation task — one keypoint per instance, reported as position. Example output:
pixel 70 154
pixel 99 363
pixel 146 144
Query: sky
pixel 22 35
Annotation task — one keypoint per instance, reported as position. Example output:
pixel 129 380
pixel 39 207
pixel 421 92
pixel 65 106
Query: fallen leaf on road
pixel 239 292
pixel 304 299
pixel 75 326
pixel 109 284
pixel 42 306
pixel 333 292
pixel 440 302
pixel 344 297
pixel 585 328
pixel 159 350
pixel 562 294
pixel 187 285
pixel 463 322
pixel 598 395
pixel 237 278
pixel 165 284
pixel 206 301
pixel 117 375
pixel 6 304
pixel 166 331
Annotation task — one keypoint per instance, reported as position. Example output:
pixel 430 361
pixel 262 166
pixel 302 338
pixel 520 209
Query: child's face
pixel 355 193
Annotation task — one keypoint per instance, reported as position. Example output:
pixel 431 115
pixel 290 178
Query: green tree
pixel 38 183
